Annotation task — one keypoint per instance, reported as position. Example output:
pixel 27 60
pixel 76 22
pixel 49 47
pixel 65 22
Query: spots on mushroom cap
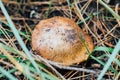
pixel 58 39
pixel 71 35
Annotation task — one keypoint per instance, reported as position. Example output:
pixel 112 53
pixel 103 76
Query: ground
pixel 99 19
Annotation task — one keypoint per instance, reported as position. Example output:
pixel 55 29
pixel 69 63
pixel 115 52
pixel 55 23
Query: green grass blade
pixel 109 9
pixel 10 71
pixel 7 74
pixel 49 8
pixel 107 49
pixel 9 32
pixel 26 63
pixel 102 63
pixel 118 62
pixel 20 41
pixel 111 58
pixel 88 18
pixel 101 48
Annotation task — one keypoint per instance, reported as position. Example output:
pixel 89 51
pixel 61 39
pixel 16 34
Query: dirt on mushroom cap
pixel 58 39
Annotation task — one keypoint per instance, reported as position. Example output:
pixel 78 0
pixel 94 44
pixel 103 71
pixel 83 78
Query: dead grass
pixel 92 17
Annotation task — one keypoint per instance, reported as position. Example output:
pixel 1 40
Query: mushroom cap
pixel 58 39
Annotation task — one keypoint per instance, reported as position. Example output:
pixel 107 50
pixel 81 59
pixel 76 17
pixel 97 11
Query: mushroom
pixel 61 40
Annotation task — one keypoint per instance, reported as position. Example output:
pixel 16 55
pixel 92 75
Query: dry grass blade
pixel 66 67
pixel 108 63
pixel 7 74
pixel 109 9
pixel 99 18
pixel 17 65
pixel 18 37
pixel 37 57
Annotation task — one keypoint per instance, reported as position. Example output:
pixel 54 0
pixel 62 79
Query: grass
pixel 16 54
pixel 20 41
pixel 7 74
pixel 18 65
pixel 23 64
pixel 110 60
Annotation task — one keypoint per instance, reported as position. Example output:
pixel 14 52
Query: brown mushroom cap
pixel 58 39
